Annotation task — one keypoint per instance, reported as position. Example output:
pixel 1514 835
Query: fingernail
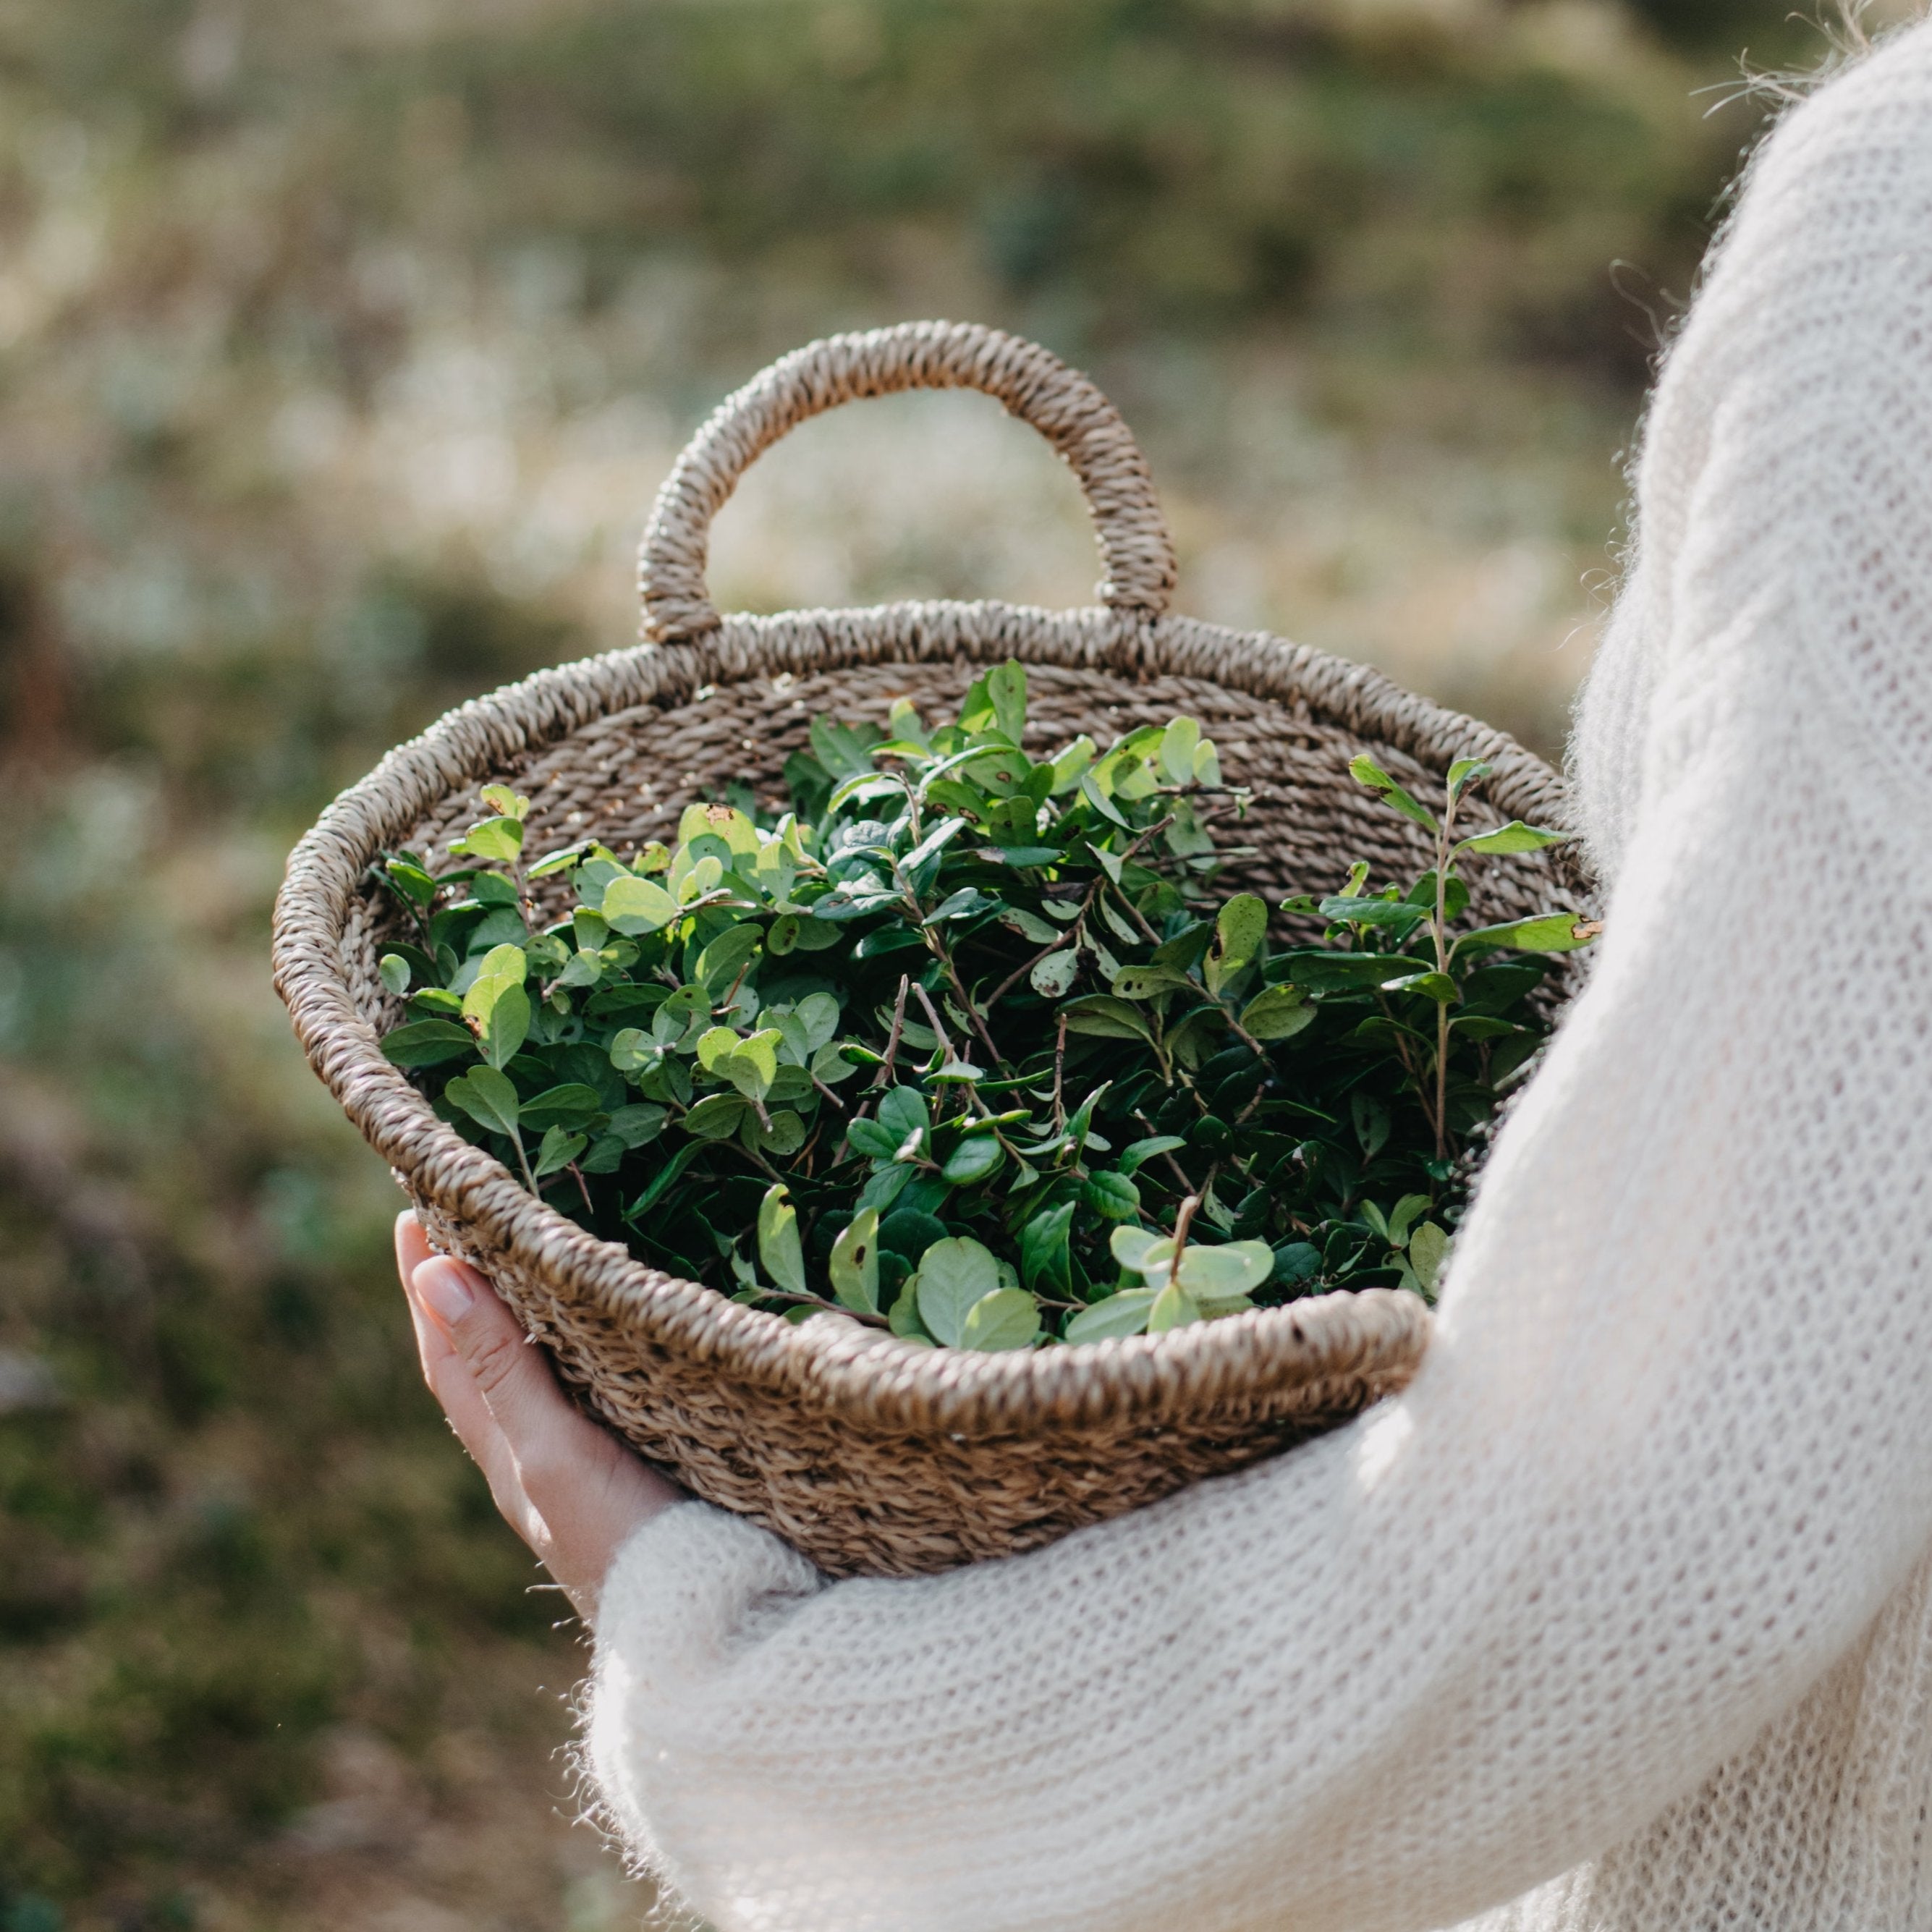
pixel 440 1286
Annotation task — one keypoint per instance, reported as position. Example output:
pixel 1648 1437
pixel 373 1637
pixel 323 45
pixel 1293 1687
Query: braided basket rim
pixel 827 1364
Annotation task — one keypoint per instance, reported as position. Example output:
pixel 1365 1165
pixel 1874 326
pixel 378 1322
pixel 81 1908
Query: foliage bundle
pixel 965 1043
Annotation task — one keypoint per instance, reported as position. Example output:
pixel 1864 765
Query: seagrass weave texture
pixel 869 1454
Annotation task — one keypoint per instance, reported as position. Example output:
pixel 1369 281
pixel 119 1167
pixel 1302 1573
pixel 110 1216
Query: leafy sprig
pixel 964 1044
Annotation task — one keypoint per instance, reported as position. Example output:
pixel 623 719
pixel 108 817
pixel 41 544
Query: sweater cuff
pixel 682 1597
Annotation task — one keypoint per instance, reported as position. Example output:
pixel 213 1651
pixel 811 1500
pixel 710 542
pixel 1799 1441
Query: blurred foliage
pixel 340 350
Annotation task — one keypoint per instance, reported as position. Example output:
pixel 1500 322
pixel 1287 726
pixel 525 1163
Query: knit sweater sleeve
pixel 1671 1447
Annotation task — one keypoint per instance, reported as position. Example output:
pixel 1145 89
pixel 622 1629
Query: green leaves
pixel 427 1043
pixel 492 840
pixel 1044 1257
pixel 1104 1017
pixel 975 1159
pixel 632 905
pixel 855 1263
pixel 954 1275
pixel 1052 976
pixel 1006 1318
pixel 1118 1316
pixel 1240 930
pixel 1007 689
pixel 1113 1196
pixel 1365 771
pixel 496 1007
pixel 779 1248
pixel 1279 1013
pixel 1515 838
pixel 949 1045
pixel 487 1097
pixel 1548 932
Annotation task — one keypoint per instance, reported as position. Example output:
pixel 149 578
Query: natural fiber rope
pixel 1037 387
pixel 870 1454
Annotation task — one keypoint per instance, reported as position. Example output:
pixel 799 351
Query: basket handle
pixel 1034 386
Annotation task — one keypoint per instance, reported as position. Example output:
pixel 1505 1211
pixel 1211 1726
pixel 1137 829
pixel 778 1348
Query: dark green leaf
pixel 1111 1195
pixel 1044 1260
pixel 426 1042
pixel 974 1160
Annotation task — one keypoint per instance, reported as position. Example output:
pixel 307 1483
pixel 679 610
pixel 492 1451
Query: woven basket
pixel 870 1455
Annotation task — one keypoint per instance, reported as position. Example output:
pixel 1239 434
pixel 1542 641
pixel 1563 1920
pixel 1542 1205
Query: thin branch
pixel 898 1027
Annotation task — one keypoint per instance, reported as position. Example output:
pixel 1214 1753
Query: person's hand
pixel 569 1489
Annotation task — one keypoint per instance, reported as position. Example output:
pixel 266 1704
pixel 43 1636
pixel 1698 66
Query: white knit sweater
pixel 1626 1605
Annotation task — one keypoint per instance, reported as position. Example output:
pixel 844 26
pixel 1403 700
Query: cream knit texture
pixel 1623 1611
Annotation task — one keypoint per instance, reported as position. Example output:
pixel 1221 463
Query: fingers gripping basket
pixel 868 1453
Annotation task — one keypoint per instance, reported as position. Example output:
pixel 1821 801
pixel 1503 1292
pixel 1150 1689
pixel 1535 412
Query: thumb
pixel 510 1374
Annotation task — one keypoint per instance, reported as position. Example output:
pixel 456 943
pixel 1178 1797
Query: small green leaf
pixel 1428 1249
pixel 1008 1319
pixel 855 1263
pixel 636 1126
pixel 394 970
pixel 1044 1257
pixel 1219 1274
pixel 1207 765
pixel 487 1097
pixel 752 1064
pixel 1173 1307
pixel 1465 772
pixel 558 1150
pixel 1068 767
pixel 1142 1252
pixel 961 905
pixel 1295 1262
pixel 667 1178
pixel 1104 1017
pixel 506 1025
pixel 830 1064
pixel 1090 789
pixel 1279 1012
pixel 1051 977
pixel 1239 929
pixel 1399 917
pixel 1436 986
pixel 1149 982
pixel 502 799
pixel 1007 689
pixel 1113 1196
pixel 873 1139
pixel 411 880
pixel 495 841
pixel 779 1248
pixel 1120 1315
pixel 1365 772
pixel 1178 744
pixel 634 905
pixel 427 1043
pixel 975 1159
pixel 902 1112
pixel 569 1105
pixel 904 1319
pixel 1138 1154
pixel 1548 932
pixel 1030 926
pixel 784 1137
pixel 1513 838
pixel 715 1118
pixel 953 1275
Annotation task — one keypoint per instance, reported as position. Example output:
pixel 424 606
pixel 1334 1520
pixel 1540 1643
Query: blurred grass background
pixel 342 347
